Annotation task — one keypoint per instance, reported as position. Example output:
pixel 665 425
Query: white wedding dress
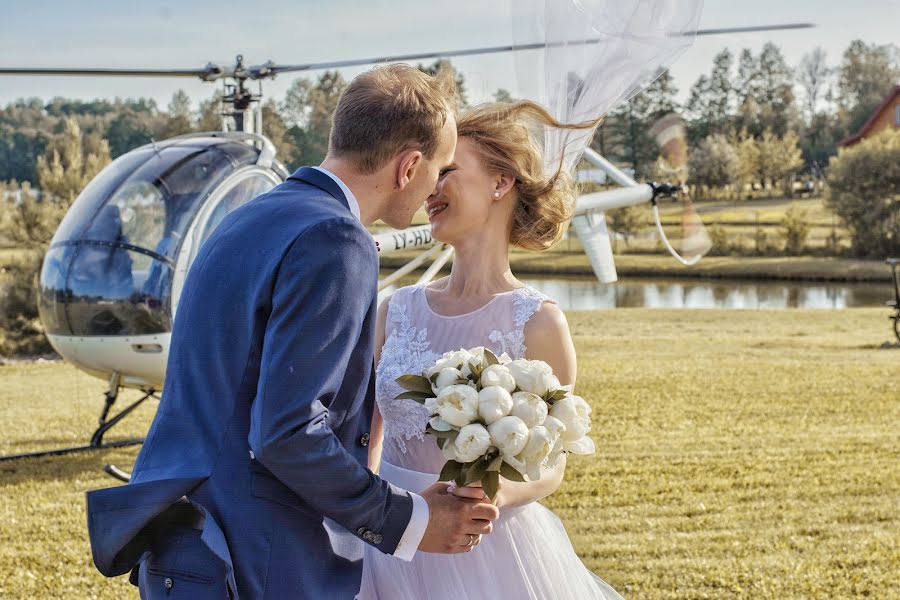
pixel 528 554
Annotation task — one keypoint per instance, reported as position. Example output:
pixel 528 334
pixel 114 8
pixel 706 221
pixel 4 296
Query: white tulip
pixel 584 445
pixel 500 376
pixel 555 428
pixel 530 408
pixel 451 360
pixel 553 383
pixel 533 376
pixel 575 414
pixel 536 451
pixel 472 442
pixel 460 356
pixel 477 352
pixel 509 435
pixel 440 365
pixel 440 424
pixel 449 451
pixel 494 402
pixel 517 463
pixel 446 376
pixel 457 404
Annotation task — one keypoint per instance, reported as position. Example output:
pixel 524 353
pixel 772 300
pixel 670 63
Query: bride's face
pixel 463 204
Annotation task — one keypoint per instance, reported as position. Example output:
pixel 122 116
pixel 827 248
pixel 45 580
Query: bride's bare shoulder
pixel 548 320
pixel 547 338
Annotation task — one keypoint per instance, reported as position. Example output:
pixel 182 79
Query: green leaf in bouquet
pixel 461 478
pixel 419 397
pixel 462 381
pixel 475 367
pixel 490 358
pixel 476 471
pixel 556 396
pixel 451 471
pixel 494 465
pixel 491 484
pixel 415 383
pixel 441 434
pixel 509 472
pixel 433 378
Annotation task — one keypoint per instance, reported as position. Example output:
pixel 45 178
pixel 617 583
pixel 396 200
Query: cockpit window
pixel 110 265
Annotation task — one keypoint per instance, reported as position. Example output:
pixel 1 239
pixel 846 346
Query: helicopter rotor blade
pixel 272 69
pixel 209 73
pixel 212 72
pixel 750 29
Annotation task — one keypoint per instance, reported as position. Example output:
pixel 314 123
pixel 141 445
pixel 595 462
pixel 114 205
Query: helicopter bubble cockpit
pixel 116 264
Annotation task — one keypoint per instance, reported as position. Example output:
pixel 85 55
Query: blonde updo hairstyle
pixel 502 133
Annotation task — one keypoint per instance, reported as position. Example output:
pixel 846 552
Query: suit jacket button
pixel 364 440
pixel 376 539
pixel 361 531
pixel 168 583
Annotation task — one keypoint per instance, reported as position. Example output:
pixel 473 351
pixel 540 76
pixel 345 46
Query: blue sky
pixel 190 33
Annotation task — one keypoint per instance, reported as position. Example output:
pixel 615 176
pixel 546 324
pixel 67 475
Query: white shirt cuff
pixel 415 530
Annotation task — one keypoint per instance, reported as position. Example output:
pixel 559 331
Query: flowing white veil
pixel 598 54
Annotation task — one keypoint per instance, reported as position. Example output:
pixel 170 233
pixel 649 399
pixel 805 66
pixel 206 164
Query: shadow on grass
pixel 53 443
pixel 66 467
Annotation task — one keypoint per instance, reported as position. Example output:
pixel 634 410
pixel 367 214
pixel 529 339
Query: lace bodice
pixel 415 337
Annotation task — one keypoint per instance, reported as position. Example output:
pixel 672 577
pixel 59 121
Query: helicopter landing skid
pixel 105 424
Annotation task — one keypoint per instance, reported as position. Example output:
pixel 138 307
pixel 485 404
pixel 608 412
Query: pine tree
pixel 308 111
pixel 866 75
pixel 711 100
pixel 178 119
pixel 30 223
pixel 68 167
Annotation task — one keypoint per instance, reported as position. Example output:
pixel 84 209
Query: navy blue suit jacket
pixel 262 429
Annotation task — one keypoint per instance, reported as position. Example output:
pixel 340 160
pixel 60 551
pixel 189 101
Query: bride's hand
pixel 475 490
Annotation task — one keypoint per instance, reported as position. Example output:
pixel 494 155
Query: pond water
pixel 588 294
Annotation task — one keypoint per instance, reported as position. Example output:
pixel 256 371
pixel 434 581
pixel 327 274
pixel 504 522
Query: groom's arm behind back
pixel 314 342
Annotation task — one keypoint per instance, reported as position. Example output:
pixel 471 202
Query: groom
pixel 259 444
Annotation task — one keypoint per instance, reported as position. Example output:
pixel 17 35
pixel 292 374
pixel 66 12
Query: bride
pixel 495 194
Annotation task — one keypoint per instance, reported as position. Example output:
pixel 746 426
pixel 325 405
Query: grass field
pixel 740 455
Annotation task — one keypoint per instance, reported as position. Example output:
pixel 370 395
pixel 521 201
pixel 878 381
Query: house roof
pixel 871 120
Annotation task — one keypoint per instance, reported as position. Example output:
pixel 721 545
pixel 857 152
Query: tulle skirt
pixel 527 555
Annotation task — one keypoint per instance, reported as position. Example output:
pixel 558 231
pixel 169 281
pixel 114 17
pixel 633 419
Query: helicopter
pixel 115 268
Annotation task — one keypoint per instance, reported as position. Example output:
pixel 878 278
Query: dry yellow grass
pixel 740 455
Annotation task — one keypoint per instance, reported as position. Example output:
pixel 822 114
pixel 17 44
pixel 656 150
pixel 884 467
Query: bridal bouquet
pixel 496 417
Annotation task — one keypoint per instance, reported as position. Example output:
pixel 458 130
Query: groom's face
pixel 423 182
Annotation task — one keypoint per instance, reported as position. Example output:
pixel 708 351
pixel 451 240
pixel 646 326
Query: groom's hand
pixel 455 524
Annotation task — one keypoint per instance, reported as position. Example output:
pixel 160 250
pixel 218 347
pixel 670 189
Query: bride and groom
pixel 257 477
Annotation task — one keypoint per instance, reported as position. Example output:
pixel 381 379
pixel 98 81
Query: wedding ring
pixel 472 538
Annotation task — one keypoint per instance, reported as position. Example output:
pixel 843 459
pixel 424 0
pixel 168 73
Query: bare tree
pixel 814 74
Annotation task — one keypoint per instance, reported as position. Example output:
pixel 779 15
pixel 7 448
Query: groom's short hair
pixel 389 109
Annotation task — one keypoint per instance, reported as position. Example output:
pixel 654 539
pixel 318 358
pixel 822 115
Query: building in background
pixel 886 116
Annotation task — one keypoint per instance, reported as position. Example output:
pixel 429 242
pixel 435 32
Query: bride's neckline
pixel 423 287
